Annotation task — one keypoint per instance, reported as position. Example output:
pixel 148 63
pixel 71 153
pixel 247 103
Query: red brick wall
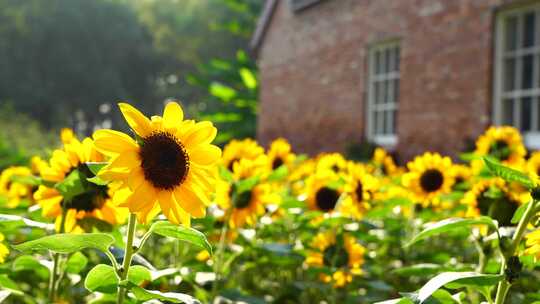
pixel 313 69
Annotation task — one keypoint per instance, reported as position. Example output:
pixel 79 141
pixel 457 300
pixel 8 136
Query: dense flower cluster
pixel 330 211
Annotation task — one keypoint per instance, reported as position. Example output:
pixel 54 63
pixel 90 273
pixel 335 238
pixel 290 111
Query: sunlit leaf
pixel 508 174
pixel 190 235
pixel 68 243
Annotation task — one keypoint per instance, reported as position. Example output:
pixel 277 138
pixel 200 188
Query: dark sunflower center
pixel 335 168
pixel 335 256
pixel 164 160
pixel 326 199
pixel 359 191
pixel 240 200
pixel 231 164
pixel 500 150
pixel 93 197
pixel 278 162
pixel 431 180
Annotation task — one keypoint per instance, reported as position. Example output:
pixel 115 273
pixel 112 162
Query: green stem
pixel 128 255
pixel 504 285
pixel 219 254
pixel 53 284
pixel 481 255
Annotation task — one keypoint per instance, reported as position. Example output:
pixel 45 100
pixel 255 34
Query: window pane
pixel 378 63
pixel 387 55
pixel 379 119
pixel 511 33
pixel 389 123
pixel 508 112
pixel 527 72
pixel 396 90
pixel 396 52
pixel 529 29
pixel 526 113
pixel 382 93
pixel 509 74
pixel 394 119
pixel 390 88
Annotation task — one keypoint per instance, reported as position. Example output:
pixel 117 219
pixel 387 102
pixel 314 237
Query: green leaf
pixel 68 243
pixel 146 295
pixel 190 235
pixel 72 185
pixel 76 263
pixel 102 278
pixel 421 295
pixel 98 181
pixel 10 221
pixel 278 174
pixel 508 174
pixel 246 184
pixel 221 91
pixel 419 270
pixel 225 174
pixel 448 225
pixel 139 274
pixel 29 263
pixel 519 213
pixel 248 78
pixel 7 283
pixel 26 180
pixel 396 301
pixel 94 167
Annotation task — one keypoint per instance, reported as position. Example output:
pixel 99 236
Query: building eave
pixel 262 26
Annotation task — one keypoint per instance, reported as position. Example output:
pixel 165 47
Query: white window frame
pixel 532 138
pixel 385 140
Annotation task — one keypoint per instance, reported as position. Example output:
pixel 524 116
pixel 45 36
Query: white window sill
pixel 532 140
pixel 386 141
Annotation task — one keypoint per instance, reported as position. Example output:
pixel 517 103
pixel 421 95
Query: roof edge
pixel 262 26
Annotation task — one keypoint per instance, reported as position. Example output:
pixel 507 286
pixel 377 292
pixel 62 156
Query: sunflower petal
pixel 172 115
pixel 205 155
pixel 110 142
pixel 201 133
pixel 136 120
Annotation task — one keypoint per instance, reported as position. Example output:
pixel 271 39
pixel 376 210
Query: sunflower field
pixel 162 215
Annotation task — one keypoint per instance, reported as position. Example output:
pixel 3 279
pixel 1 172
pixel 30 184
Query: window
pixel 517 79
pixel 383 93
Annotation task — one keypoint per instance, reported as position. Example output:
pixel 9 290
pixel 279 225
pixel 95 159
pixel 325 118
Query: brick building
pixel 410 75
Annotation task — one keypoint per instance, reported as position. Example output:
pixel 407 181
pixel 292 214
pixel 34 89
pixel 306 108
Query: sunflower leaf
pixel 146 295
pixel 449 225
pixel 68 243
pixel 72 185
pixel 508 174
pixel 27 180
pixel 102 278
pixel 186 234
pixel 94 167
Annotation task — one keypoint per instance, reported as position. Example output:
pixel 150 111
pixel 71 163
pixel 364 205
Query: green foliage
pixel 68 243
pixel 508 174
pixel 190 235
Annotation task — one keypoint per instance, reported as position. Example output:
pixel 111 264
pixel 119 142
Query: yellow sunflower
pixel 280 154
pixel 343 255
pixel 14 191
pixel 239 149
pixel 384 164
pixel 37 164
pixel 359 188
pixel 4 250
pixel 323 191
pixel 299 174
pixel 462 175
pixel 533 245
pixel 429 176
pixel 170 165
pixel 495 198
pixel 243 206
pixel 94 202
pixel 331 161
pixel 533 164
pixel 503 143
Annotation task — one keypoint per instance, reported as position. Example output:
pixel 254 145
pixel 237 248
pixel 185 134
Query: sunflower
pixel 299 174
pixel 94 202
pixel 280 154
pixel 37 164
pixel 384 164
pixel 343 255
pixel 67 135
pixel 323 190
pixel 462 175
pixel 429 176
pixel 4 250
pixel 533 244
pixel 331 161
pixel 533 164
pixel 243 206
pixel 495 198
pixel 503 143
pixel 13 190
pixel 359 188
pixel 239 149
pixel 170 165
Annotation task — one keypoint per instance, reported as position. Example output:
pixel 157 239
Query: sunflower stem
pixel 219 254
pixel 128 255
pixel 53 284
pixel 504 285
